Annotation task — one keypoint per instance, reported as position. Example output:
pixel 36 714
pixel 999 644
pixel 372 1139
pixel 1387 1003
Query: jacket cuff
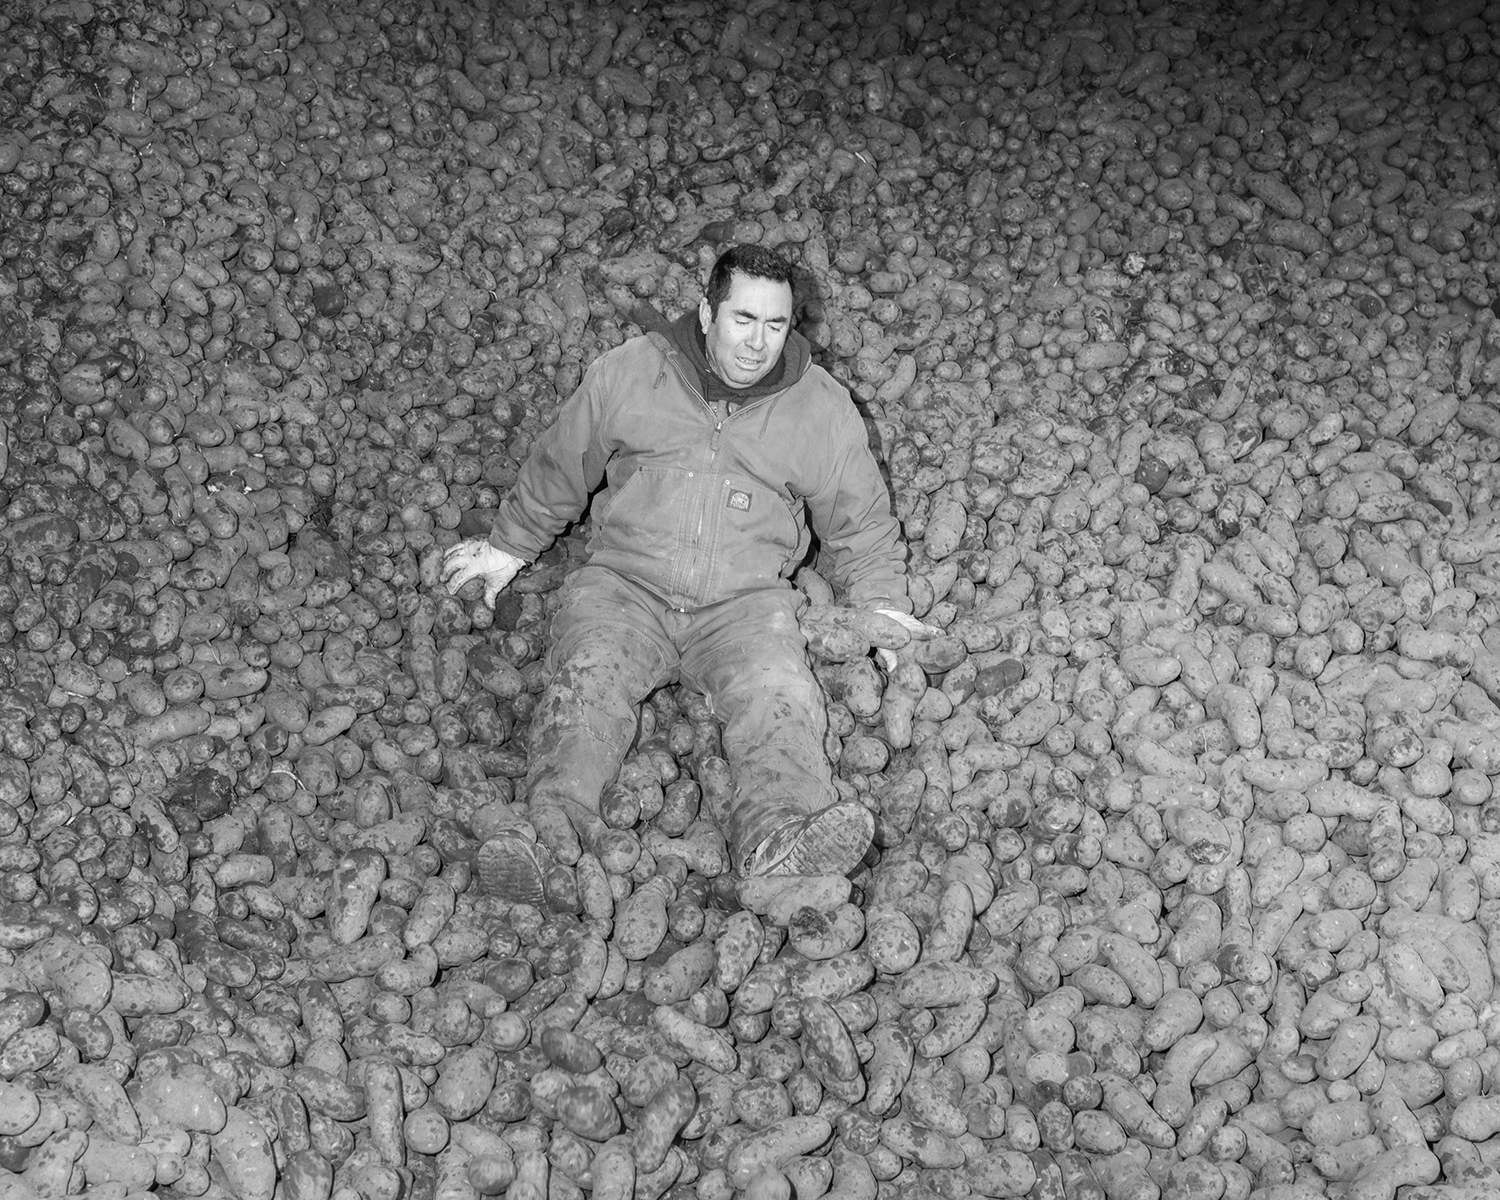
pixel 500 544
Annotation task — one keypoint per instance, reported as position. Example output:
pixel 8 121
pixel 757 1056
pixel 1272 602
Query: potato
pixel 736 949
pixel 132 1166
pixel 589 1112
pixel 242 1150
pixel 1124 1102
pixel 614 1170
pixel 774 1146
pixel 104 1097
pixel 352 894
pixel 819 934
pixel 570 1051
pixel 1173 1100
pixel 667 1111
pixel 827 1044
pixel 926 1147
pixel 942 983
pixel 21 1110
pixel 780 899
pixel 81 980
pixel 385 1108
pixel 49 1168
pixel 326 1093
pixel 1397 1167
pixel 1348 1048
pixel 708 1046
pixel 641 921
pixel 762 1102
pixel 1031 724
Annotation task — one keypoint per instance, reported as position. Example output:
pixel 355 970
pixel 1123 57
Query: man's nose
pixel 757 337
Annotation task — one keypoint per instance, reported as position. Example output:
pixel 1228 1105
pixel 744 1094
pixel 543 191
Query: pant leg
pixel 608 653
pixel 748 656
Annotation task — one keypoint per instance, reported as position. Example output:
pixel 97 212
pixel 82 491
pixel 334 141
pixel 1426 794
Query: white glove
pixel 477 559
pixel 908 622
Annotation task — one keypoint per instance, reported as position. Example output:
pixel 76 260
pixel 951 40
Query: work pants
pixel 612 643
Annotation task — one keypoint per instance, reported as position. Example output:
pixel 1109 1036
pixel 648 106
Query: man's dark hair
pixel 748 260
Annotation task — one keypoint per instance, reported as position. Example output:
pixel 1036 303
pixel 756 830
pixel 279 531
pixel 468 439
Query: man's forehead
pixel 758 296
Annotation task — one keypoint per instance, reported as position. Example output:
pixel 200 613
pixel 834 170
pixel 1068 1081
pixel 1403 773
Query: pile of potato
pixel 1176 327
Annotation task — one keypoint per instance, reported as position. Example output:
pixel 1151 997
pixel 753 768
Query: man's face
pixel 745 340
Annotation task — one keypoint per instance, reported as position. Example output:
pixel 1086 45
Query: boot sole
pixel 833 843
pixel 510 866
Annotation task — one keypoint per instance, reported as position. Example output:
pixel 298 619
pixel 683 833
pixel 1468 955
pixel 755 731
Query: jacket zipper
pixel 713 446
pixel 713 441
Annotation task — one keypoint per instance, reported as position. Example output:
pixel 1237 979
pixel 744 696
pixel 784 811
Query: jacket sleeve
pixel 851 514
pixel 564 467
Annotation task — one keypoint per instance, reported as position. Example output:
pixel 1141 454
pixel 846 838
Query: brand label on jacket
pixel 738 500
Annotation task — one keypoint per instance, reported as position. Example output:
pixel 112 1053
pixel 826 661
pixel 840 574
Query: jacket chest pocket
pixel 752 514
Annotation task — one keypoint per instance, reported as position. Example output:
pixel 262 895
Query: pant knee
pixel 791 701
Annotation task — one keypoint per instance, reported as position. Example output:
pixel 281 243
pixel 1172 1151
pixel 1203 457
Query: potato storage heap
pixel 1176 324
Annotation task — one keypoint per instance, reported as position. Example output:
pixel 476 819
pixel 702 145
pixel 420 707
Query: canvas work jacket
pixel 704 502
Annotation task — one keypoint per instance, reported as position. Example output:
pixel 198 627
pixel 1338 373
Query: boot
pixel 830 842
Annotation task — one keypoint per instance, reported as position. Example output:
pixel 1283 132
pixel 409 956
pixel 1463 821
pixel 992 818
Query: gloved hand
pixel 477 559
pixel 907 622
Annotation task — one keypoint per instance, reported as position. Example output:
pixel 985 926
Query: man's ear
pixel 705 314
